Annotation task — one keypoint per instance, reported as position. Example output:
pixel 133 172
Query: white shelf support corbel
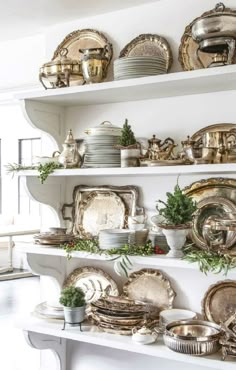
pixel 46 117
pixel 52 266
pixel 56 345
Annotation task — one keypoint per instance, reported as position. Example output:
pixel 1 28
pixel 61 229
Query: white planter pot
pixel 74 315
pixel 176 239
pixel 130 157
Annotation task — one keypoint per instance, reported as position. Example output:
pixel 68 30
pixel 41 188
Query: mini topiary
pixel 127 138
pixel 179 208
pixel 72 297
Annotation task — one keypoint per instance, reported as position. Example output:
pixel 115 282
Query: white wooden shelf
pixel 223 168
pixel 152 87
pixel 154 261
pixel 92 335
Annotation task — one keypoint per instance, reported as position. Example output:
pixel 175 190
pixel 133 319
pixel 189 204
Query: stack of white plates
pixel 100 151
pixel 133 67
pixel 113 238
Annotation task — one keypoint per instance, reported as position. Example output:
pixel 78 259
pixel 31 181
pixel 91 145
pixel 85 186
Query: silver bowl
pixel 193 337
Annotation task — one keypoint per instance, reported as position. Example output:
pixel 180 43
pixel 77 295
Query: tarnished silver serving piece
pixel 96 208
pixel 216 34
pixel 215 198
pixel 61 72
pixel 95 62
pixel 228 341
pixel 209 40
pixel 193 337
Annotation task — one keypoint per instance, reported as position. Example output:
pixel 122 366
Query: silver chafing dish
pixel 215 32
pixel 61 72
pixel 193 337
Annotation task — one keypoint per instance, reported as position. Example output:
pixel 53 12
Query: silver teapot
pixel 70 156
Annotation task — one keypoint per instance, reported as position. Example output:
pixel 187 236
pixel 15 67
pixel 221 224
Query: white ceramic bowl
pixel 175 314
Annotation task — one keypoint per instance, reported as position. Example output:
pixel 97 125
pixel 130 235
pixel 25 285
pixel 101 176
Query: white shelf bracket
pixel 56 345
pixel 46 117
pixel 52 266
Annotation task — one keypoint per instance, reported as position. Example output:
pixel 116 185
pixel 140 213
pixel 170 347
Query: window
pixel 28 149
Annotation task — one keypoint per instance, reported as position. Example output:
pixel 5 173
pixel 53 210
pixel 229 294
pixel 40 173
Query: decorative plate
pixel 214 197
pixel 83 39
pixel 151 287
pixel 209 209
pixel 46 312
pixel 148 45
pixel 122 198
pixel 95 283
pixel 219 302
pixel 188 50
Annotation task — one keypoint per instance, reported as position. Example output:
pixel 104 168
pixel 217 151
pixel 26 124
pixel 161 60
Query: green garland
pixel 44 169
pixel 91 246
pixel 209 261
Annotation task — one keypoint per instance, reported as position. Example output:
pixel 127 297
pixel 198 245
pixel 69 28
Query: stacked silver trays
pixel 100 151
pixel 53 238
pixel 114 238
pixel 140 66
pixel 117 315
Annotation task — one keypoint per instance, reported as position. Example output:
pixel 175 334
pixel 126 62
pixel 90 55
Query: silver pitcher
pixel 94 64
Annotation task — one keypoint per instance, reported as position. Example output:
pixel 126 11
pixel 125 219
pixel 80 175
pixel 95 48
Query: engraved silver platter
pixel 95 283
pixel 99 208
pixel 215 197
pixel 148 45
pixel 219 302
pixel 152 287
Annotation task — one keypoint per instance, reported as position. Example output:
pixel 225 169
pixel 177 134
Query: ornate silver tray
pixel 219 302
pixel 148 45
pixel 83 39
pixel 115 203
pixel 214 197
pixel 151 287
pixel 95 283
pixel 188 48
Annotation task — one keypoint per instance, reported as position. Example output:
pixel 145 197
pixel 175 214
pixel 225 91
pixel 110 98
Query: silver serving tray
pixel 116 203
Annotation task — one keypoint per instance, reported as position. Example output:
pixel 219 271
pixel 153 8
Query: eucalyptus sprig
pixel 44 169
pixel 123 263
pixel 91 246
pixel 209 261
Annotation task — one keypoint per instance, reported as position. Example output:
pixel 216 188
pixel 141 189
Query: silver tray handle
pixel 63 211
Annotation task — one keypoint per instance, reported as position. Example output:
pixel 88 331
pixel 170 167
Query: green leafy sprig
pixel 44 169
pixel 91 246
pixel 122 264
pixel 209 261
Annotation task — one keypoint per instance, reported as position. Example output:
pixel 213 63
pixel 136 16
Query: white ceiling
pixel 21 18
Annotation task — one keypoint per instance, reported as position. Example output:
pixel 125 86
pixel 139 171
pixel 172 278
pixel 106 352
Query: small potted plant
pixel 178 212
pixel 73 301
pixel 128 145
